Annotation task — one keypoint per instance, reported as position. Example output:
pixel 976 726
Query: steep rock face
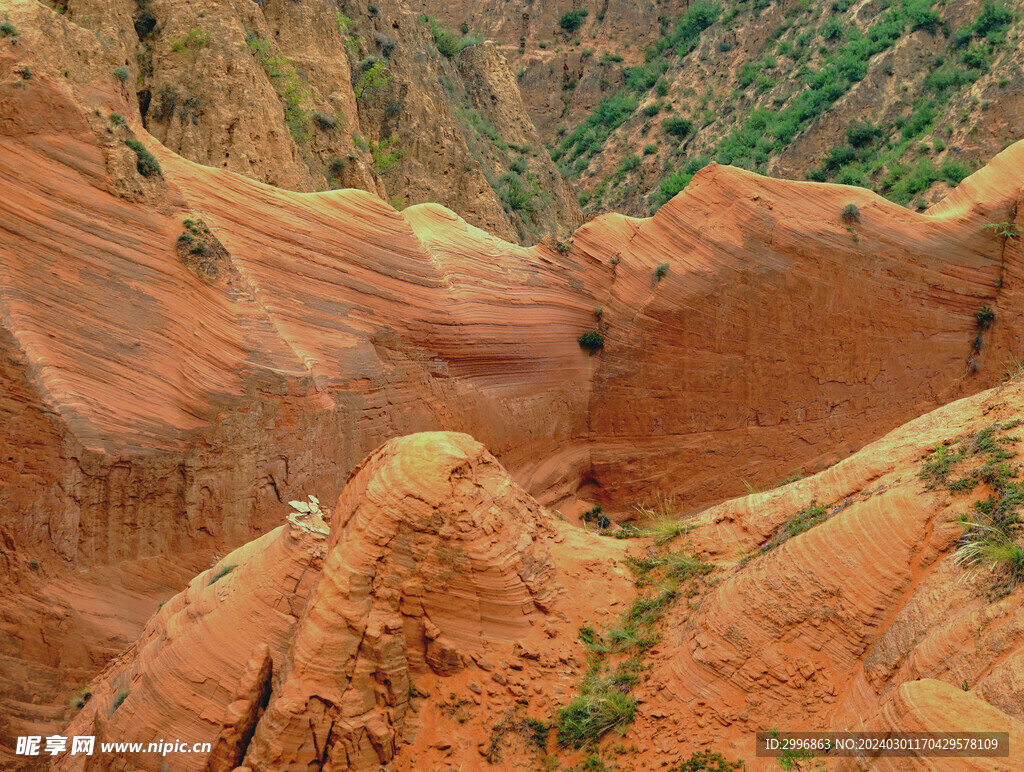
pixel 759 309
pixel 286 93
pixel 366 647
pixel 433 555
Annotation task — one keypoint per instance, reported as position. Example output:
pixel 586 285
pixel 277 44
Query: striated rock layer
pixel 862 623
pixel 300 649
pixel 442 609
pixel 155 403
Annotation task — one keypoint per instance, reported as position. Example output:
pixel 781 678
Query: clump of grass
pixel 660 521
pixel 851 213
pixel 993 449
pixel 660 271
pixel 146 163
pixel 984 317
pixel 119 700
pixel 588 717
pixel 604 702
pixel 707 761
pixel 591 638
pixel 804 520
pixel 991 528
pixel 537 731
pixel 596 515
pixel 220 573
pixel 991 544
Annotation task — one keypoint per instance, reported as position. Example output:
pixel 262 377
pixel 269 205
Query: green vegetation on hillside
pixel 616 654
pixel 809 58
pixel 991 539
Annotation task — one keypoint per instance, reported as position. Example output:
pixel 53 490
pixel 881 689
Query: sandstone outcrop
pixel 303 649
pixel 153 414
pixel 283 92
pixel 862 623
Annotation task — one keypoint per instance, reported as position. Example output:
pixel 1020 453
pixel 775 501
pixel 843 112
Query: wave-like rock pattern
pixel 299 649
pixel 150 411
pixel 863 622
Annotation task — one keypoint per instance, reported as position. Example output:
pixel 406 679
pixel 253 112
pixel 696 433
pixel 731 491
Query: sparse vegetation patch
pixel 146 163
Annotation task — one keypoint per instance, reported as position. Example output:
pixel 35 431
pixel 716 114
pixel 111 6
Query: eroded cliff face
pixel 312 96
pixel 321 649
pixel 443 610
pixel 183 351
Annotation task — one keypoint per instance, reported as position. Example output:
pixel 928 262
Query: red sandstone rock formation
pixel 862 623
pixel 301 649
pixel 156 414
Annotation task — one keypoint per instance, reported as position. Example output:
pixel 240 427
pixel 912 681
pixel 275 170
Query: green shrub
pixel 7 29
pixel 336 167
pixel 145 163
pixel 851 213
pixel 571 20
pixel 954 172
pixel 629 163
pixel 862 134
pixel 1005 229
pixel 677 180
pixel 984 317
pixel 833 29
pixel 517 196
pixel 993 19
pixel 386 159
pixel 588 717
pixel 652 109
pixel 686 34
pixel 196 39
pixel 921 16
pixel 371 80
pixel 448 43
pixel 324 120
pixel 145 24
pixel 650 149
pixel 661 271
pixel 591 341
pixel 289 86
pixel 677 127
pixel 839 157
pixel 122 74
